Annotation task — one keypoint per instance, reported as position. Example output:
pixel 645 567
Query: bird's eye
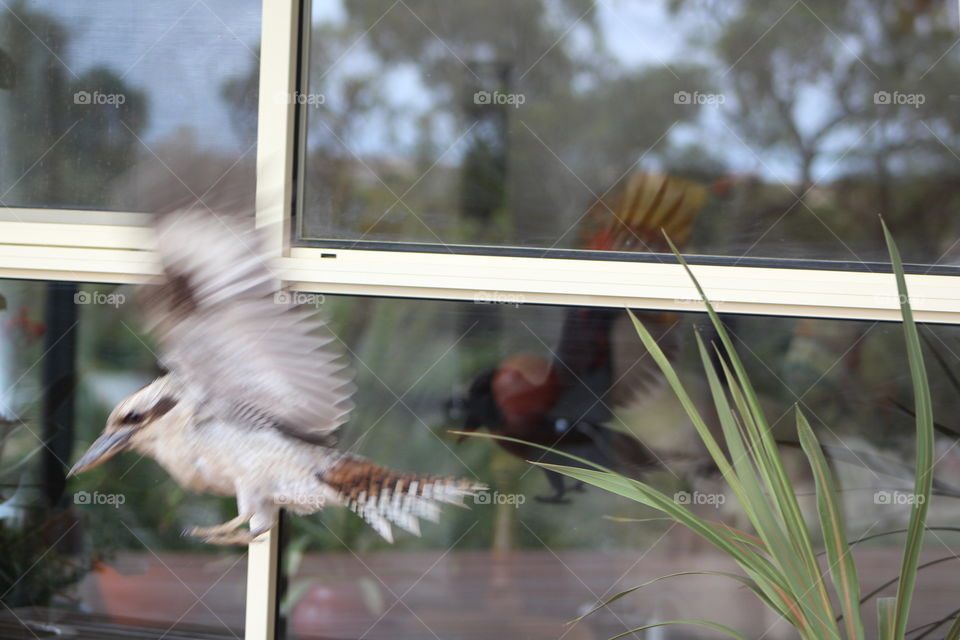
pixel 131 418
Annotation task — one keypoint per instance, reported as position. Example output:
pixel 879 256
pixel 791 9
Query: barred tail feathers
pixel 631 219
pixel 382 496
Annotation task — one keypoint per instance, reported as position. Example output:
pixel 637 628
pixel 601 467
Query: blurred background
pixel 518 560
pixel 493 123
pixel 747 129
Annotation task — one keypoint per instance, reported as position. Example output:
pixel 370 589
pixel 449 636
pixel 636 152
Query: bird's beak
pixel 102 449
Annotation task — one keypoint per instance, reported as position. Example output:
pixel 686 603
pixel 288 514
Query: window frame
pixel 114 247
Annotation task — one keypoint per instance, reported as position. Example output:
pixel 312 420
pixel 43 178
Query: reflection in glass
pixel 105 550
pixel 531 555
pixel 484 123
pixel 107 547
pixel 97 100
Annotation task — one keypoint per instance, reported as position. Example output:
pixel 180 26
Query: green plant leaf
pixel 800 566
pixel 800 593
pixel 700 623
pixel 496 436
pixel 766 519
pixel 733 576
pixel 780 563
pixel 886 618
pixel 635 520
pixel 924 444
pixel 842 568
pixel 666 367
pixel 954 632
pixel 755 565
pixel 920 567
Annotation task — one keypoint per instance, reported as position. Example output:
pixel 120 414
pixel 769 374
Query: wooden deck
pixel 467 595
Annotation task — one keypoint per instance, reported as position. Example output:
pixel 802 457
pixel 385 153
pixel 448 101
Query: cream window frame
pixel 114 247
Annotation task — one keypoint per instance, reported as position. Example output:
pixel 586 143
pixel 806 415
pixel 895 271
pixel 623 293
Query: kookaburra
pixel 254 391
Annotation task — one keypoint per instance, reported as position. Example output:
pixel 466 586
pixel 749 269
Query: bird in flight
pixel 566 402
pixel 253 394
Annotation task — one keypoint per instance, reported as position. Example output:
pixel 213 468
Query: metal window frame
pixel 114 247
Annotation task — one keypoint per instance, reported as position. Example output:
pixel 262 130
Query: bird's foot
pixel 238 538
pixel 217 531
pixel 554 499
pixel 220 531
pixel 207 532
pixel 580 487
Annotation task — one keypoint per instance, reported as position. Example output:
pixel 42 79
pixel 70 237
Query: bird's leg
pixel 219 529
pixel 263 516
pixel 260 523
pixel 264 519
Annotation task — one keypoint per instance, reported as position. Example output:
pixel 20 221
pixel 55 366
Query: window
pixel 109 551
pixel 492 127
pixel 450 185
pixel 97 101
pixel 522 566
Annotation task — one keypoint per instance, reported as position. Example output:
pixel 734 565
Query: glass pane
pixel 103 552
pixel 534 553
pixel 751 129
pixel 99 102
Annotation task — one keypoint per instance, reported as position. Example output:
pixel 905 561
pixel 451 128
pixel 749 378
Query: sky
pixel 181 52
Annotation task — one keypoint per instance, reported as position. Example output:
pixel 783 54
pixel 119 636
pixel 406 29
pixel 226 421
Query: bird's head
pixel 133 421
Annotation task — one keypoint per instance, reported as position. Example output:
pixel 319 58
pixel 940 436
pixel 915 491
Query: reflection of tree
pixel 581 110
pixel 335 186
pixel 799 82
pixel 75 168
pixel 178 168
pixel 803 82
pixel 104 140
pixel 63 146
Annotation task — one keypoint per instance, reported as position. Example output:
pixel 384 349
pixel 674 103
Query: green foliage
pixel 780 566
pixel 32 572
pixel 66 152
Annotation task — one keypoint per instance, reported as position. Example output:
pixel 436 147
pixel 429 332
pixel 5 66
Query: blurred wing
pixel 582 362
pixel 635 373
pixel 637 215
pixel 228 332
pixel 600 347
pixel 601 357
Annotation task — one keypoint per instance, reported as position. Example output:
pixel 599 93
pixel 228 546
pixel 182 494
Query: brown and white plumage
pixel 254 391
pixel 225 330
